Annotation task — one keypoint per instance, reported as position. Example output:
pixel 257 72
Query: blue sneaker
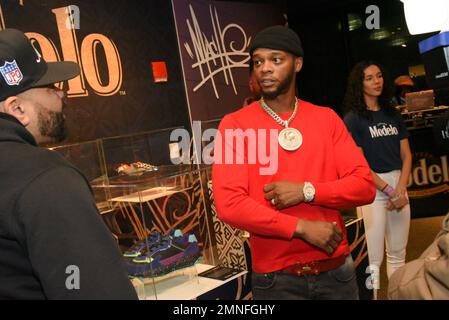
pixel 171 254
pixel 154 239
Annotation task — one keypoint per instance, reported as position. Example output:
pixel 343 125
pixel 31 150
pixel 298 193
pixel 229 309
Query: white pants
pixel 393 226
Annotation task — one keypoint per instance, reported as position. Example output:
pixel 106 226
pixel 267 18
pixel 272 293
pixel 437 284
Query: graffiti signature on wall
pixel 215 55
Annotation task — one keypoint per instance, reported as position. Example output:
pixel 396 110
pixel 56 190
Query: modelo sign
pixel 84 53
pixel 428 186
pixel 425 174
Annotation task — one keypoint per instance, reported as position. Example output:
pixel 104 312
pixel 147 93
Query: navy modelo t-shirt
pixel 379 137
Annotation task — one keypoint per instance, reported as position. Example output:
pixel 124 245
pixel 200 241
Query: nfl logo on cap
pixel 11 73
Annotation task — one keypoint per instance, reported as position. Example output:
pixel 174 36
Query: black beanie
pixel 278 38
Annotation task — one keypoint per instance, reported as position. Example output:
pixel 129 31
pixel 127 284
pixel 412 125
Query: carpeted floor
pixel 422 233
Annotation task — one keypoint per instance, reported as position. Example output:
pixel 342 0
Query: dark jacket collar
pixel 12 130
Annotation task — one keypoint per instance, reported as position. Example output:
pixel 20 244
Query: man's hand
pixel 324 235
pixel 284 194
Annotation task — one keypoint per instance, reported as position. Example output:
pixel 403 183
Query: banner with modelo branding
pixel 428 186
pixel 214 38
pixel 130 77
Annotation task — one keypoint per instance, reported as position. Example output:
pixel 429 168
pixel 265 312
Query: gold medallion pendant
pixel 290 139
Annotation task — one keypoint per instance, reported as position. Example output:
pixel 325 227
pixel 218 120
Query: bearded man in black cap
pixel 291 208
pixel 53 242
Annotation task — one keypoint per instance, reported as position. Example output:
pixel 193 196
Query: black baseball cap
pixel 22 67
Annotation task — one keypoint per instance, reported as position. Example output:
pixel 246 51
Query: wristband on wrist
pixel 383 189
pixel 389 190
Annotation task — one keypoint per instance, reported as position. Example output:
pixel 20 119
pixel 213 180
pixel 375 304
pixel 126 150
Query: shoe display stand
pixel 170 201
pixel 185 285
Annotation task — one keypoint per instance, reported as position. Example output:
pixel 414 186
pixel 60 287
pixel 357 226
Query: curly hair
pixel 354 98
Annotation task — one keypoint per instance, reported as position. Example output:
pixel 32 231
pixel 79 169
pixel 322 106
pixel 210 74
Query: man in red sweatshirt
pixel 283 168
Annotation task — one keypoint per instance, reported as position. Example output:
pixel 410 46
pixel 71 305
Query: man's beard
pixel 282 88
pixel 51 124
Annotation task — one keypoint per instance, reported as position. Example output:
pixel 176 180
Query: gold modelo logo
pixel 429 179
pixel 85 56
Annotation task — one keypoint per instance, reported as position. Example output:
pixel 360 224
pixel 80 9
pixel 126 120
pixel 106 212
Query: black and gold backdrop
pixel 115 43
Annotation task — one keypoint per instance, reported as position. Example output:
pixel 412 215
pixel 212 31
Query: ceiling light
pixel 380 34
pixel 426 16
pixel 354 22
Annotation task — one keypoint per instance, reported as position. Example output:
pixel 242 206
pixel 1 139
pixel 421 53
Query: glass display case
pixel 157 211
pixel 156 220
pixel 88 157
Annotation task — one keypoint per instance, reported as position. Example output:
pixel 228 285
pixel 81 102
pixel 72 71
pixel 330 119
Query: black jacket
pixel 50 229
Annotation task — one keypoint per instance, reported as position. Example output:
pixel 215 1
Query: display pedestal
pixel 186 286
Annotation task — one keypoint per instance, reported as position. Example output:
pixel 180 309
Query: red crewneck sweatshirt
pixel 328 158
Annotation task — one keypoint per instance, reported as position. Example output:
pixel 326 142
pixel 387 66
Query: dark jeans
pixel 336 284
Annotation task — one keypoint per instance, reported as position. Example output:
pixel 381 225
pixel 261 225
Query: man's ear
pixel 14 106
pixel 298 64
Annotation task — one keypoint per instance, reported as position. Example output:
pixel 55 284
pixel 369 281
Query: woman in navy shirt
pixel 378 129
